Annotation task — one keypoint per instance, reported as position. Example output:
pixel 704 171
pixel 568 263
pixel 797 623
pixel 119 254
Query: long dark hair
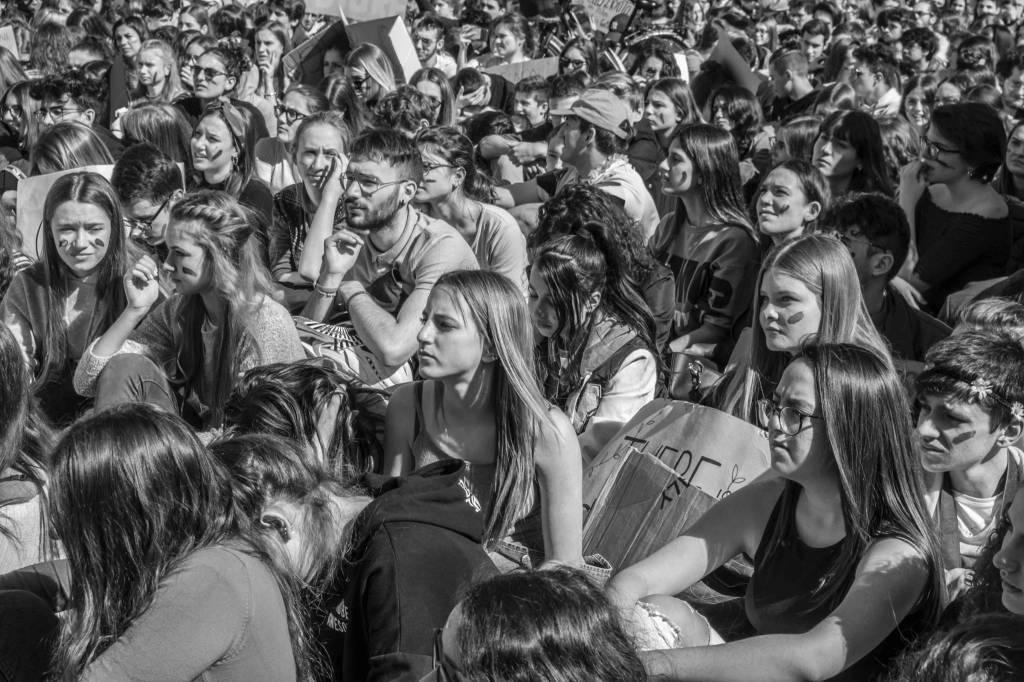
pixel 867 421
pixel 243 138
pixel 224 230
pixel 133 495
pixel 574 267
pixel 862 132
pixel 25 434
pixel 743 111
pixel 54 277
pixel 543 625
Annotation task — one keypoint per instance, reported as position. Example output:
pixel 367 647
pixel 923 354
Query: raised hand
pixel 142 285
pixel 341 250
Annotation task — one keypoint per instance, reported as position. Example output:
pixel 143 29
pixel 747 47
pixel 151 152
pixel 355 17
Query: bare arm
pixel 391 339
pixel 560 474
pixel 889 581
pixel 322 225
pixel 398 432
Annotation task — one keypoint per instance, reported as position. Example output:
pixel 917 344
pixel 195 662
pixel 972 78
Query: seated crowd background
pixel 307 358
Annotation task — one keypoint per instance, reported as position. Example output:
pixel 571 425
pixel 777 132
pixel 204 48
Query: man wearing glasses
pixel 69 97
pixel 875 230
pixel 428 39
pixel 874 77
pixel 381 265
pixel 147 183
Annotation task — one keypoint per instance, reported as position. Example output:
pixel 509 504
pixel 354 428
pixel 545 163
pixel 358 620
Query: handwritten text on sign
pixel 601 12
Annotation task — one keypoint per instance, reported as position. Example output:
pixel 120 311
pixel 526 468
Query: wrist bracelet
pixel 325 293
pixel 362 292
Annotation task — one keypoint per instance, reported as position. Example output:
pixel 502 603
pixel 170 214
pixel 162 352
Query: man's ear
pixel 229 84
pixel 543 107
pixel 89 115
pixel 1011 433
pixel 881 263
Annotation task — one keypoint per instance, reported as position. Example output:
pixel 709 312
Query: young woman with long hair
pixel 789 201
pixel 370 73
pixel 736 110
pixel 668 105
pixel 595 335
pixel 25 442
pixel 193 347
pixel 708 242
pixel 58 305
pixel 848 152
pixel 438 90
pixel 216 76
pixel 163 126
pixel 158 72
pixel 807 290
pixel 18 111
pixel 478 401
pixel 129 34
pixel 511 41
pixel 165 562
pixel 222 157
pixel 345 100
pixel 847 567
pixel 320 142
pixel 459 194
pixel 272 42
pixel 274 164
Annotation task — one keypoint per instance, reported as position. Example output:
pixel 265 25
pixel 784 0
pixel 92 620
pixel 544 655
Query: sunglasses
pixel 207 73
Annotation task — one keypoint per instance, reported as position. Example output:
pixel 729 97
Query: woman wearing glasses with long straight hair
pixel 274 164
pixel 846 561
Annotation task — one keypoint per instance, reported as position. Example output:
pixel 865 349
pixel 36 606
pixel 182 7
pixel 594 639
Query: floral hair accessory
pixel 980 389
pixel 1017 411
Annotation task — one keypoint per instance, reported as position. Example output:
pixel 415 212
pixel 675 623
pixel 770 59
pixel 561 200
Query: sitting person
pixel 537 625
pixel 273 156
pixel 790 201
pixel 188 353
pixel 60 304
pixel 846 564
pixel 875 229
pixel 390 568
pixel 960 225
pixel 147 184
pixel 165 563
pixel 26 438
pixel 382 279
pixel 595 335
pixel 970 416
pixel 478 402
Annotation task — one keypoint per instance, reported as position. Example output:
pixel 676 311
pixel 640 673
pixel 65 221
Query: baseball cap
pixel 602 109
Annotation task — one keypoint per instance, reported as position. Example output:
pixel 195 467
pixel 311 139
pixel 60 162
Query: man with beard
pixel 381 265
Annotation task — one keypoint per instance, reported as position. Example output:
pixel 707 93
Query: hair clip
pixel 1017 411
pixel 980 389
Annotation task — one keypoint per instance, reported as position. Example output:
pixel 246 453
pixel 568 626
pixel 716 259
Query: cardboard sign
pixel 368 10
pixel 9 41
pixel 514 73
pixel 390 35
pixel 601 12
pixel 31 199
pixel 327 8
pixel 661 472
pixel 305 63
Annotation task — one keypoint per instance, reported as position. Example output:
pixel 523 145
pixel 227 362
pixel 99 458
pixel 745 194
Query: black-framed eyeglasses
pixel 57 113
pixel 288 114
pixel 434 102
pixel 142 226
pixel 206 72
pixel 575 64
pixel 933 148
pixel 14 110
pixel 847 239
pixel 358 83
pixel 791 420
pixel 367 185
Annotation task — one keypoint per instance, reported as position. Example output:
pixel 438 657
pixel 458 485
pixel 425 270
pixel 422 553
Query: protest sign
pixel 305 62
pixel 327 8
pixel 31 199
pixel 9 41
pixel 661 472
pixel 514 73
pixel 601 12
pixel 390 35
pixel 368 10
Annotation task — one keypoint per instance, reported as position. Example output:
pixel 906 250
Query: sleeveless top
pixel 779 596
pixel 478 478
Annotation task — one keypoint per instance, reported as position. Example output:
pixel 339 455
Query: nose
pixel 769 312
pixel 81 239
pixel 648 110
pixel 663 166
pixel 926 428
pixel 424 335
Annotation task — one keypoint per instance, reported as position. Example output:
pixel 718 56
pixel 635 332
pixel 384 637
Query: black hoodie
pixel 415 548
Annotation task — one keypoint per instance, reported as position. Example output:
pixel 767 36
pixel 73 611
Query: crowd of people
pixel 305 357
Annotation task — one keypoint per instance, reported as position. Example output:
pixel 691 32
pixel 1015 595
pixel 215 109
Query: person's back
pixel 223 601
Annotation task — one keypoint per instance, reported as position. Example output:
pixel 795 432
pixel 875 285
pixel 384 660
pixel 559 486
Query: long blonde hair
pixel 172 84
pixel 499 311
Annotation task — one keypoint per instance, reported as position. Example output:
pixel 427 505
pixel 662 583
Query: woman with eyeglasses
pixel 370 73
pixel 319 152
pixel 846 559
pixel 579 56
pixel 457 193
pixel 186 354
pixel 222 144
pixel 959 223
pixel 56 307
pixel 438 91
pixel 274 164
pixel 216 76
